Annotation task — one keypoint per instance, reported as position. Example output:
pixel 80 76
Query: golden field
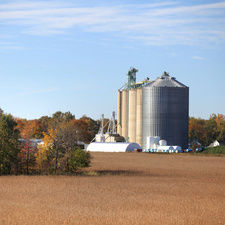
pixel 121 188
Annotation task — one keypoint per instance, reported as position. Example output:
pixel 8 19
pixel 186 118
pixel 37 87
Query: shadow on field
pixel 112 173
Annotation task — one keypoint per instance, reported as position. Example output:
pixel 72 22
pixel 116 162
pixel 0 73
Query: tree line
pixel 205 131
pixel 59 151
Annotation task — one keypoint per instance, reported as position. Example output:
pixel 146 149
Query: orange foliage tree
pixel 26 155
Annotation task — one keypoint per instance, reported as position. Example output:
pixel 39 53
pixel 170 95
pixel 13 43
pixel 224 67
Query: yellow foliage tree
pixel 45 150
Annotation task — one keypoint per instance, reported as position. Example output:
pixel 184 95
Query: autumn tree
pixel 210 131
pixel 59 152
pixel 37 129
pixel 53 150
pixel 45 156
pixel 92 126
pixel 28 130
pixel 196 130
pixel 61 143
pixel 69 136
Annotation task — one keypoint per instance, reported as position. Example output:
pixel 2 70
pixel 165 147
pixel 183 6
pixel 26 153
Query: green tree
pixel 210 131
pixel 45 121
pixel 69 137
pixel 79 159
pixel 62 117
pixel 9 145
pixel 221 136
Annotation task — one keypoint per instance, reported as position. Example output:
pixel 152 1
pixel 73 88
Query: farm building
pixel 112 147
pixel 153 108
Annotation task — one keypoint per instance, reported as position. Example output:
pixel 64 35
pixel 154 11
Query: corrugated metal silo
pixel 119 125
pixel 145 117
pixel 132 115
pixel 166 111
pixel 139 117
pixel 124 113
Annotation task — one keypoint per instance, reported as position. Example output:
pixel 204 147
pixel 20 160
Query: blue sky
pixel 74 55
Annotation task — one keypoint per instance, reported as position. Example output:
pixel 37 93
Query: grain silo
pixel 124 114
pixel 129 108
pixel 139 116
pixel 132 115
pixel 165 111
pixel 119 112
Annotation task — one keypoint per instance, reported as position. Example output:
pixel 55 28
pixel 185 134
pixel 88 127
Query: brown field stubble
pixel 121 188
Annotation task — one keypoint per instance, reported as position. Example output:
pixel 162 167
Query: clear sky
pixel 74 55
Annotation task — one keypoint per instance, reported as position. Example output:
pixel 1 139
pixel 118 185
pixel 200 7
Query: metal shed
pixel 113 147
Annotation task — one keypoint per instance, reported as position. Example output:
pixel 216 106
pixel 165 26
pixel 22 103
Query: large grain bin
pixel 150 142
pixel 163 143
pixel 165 111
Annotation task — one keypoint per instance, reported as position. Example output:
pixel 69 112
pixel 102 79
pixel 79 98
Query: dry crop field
pixel 121 188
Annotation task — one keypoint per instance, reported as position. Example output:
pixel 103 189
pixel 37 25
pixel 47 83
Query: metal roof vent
pixel 165 74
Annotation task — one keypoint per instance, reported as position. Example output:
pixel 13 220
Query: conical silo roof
pixel 165 81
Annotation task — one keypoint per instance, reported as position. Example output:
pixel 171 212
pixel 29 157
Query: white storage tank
pixel 163 143
pixel 155 146
pixel 177 149
pixel 150 142
pixel 157 139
